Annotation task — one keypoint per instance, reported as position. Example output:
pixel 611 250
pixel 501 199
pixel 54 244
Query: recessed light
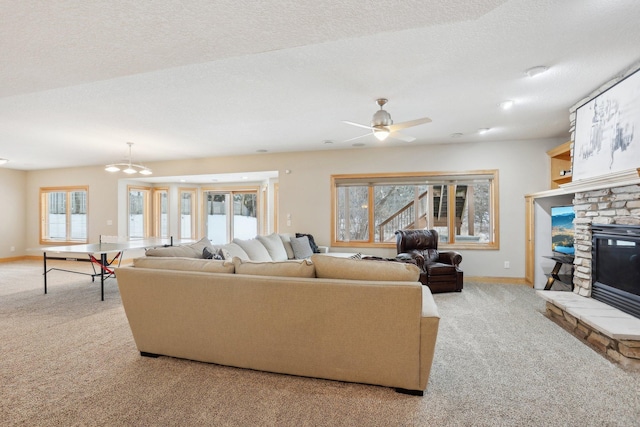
pixel 506 105
pixel 327 141
pixel 261 151
pixel 536 71
pixel 483 130
pixel 358 144
pixel 456 135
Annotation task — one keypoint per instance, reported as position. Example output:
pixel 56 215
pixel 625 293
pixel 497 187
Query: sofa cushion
pixel 254 249
pixel 185 264
pixel 275 247
pixel 286 241
pixel 301 247
pixel 231 250
pixel 288 268
pixel 328 267
pixel 193 250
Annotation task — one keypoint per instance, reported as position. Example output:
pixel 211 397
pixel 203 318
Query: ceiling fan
pixel 382 126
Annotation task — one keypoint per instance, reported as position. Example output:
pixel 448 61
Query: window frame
pixel 157 211
pixel 147 212
pixel 44 192
pixel 193 192
pixel 377 179
pixel 230 192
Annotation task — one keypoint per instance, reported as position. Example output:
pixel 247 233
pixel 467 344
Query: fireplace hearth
pixel 616 266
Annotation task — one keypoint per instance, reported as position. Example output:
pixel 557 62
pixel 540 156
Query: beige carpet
pixel 69 359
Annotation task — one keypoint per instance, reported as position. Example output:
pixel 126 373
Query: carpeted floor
pixel 68 359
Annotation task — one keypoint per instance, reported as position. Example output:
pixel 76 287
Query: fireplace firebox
pixel 616 266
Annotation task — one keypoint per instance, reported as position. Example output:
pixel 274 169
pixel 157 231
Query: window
pixel 161 212
pixel 230 214
pixel 63 215
pixel 187 213
pixel 461 206
pixel 139 212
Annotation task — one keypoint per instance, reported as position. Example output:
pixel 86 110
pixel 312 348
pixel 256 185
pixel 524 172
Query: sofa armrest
pixel 450 257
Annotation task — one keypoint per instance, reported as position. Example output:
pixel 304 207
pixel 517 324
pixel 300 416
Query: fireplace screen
pixel 616 266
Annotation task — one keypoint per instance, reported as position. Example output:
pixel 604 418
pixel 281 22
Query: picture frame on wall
pixel 607 133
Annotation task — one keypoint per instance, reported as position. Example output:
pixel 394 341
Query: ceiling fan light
pixel 129 170
pixel 146 171
pixel 112 168
pixel 381 135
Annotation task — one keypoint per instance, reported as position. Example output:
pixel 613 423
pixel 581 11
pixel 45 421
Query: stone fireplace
pixel 604 206
pixel 614 205
pixel 589 313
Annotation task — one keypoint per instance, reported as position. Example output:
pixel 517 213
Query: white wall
pixel 305 192
pixel 13 186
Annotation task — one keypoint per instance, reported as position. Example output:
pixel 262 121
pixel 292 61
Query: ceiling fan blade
pixel 410 123
pixel 357 124
pixel 357 137
pixel 401 137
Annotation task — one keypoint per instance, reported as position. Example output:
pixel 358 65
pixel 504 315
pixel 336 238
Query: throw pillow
pixel 312 242
pixel 286 241
pixel 356 256
pixel 254 249
pixel 207 254
pixel 274 246
pixel 301 247
pixel 231 250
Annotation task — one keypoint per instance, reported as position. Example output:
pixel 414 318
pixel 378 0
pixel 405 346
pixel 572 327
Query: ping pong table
pixel 98 255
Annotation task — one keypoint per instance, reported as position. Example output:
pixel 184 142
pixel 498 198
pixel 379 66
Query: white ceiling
pixel 202 78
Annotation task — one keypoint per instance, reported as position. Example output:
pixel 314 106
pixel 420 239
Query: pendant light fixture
pixel 128 167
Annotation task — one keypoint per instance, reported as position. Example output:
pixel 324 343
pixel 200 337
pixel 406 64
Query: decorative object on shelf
pixel 129 167
pixel 607 135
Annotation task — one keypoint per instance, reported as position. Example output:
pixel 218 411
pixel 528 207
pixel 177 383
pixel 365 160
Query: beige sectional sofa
pixel 340 319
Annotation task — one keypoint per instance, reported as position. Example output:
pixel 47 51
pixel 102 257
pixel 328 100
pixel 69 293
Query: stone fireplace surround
pixel 606 329
pixel 611 199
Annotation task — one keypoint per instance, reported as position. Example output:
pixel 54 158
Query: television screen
pixel 562 230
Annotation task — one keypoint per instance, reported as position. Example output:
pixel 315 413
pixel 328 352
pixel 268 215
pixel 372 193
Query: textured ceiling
pixel 78 79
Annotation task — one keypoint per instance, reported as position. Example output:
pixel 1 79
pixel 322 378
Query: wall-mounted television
pixel 562 229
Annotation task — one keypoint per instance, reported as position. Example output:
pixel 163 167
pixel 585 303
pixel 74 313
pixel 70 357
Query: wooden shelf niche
pixel 560 158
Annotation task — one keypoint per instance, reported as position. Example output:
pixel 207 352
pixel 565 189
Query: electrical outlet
pixel 506 264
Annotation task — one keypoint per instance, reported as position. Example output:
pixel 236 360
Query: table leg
pixel 45 272
pixel 103 261
pixel 554 276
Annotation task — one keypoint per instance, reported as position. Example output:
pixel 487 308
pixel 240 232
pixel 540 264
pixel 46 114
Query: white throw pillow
pixel 274 246
pixel 231 250
pixel 286 241
pixel 254 248
pixel 301 247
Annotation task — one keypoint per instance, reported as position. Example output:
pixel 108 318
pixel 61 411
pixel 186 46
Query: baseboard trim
pixel 501 280
pixel 15 258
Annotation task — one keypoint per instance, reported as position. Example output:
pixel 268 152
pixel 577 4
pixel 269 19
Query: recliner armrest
pixel 450 257
pixel 413 255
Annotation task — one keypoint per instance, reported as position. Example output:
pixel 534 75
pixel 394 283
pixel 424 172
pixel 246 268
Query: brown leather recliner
pixel 440 270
